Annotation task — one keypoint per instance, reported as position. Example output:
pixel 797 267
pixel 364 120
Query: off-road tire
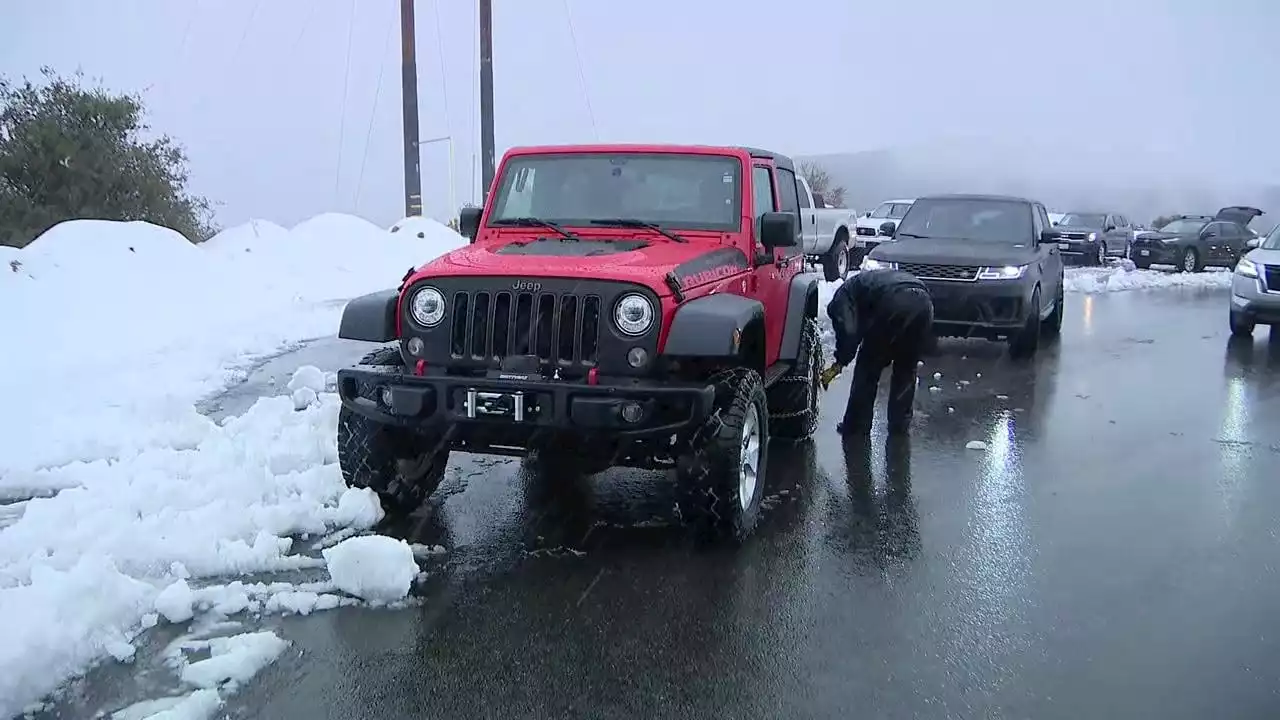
pixel 707 475
pixel 1027 342
pixel 831 261
pixel 1051 327
pixel 402 466
pixel 1190 261
pixel 794 398
pixel 1239 327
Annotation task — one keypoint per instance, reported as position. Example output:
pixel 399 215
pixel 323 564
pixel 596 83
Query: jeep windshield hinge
pixel 674 284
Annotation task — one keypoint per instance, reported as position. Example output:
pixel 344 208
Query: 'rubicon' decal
pixel 710 267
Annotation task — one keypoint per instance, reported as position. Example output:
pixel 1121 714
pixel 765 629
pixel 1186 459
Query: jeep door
pixel 770 281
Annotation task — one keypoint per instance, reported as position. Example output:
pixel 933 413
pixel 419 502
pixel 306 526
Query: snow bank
pixel 112 330
pixel 1125 277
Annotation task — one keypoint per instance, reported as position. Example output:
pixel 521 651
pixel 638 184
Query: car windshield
pixel 1272 241
pixel 1184 225
pixel 1082 220
pixel 1003 221
pixel 891 211
pixel 697 192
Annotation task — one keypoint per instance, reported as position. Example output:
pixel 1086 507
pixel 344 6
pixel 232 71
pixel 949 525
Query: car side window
pixel 1122 221
pixel 803 196
pixel 788 191
pixel 1230 231
pixel 1039 221
pixel 762 195
pixel 1213 230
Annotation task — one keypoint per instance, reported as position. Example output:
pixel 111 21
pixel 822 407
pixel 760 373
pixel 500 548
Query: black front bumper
pixel 513 408
pixel 1156 253
pixel 980 308
pixel 1078 250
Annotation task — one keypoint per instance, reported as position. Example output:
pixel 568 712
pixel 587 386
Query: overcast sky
pixel 280 124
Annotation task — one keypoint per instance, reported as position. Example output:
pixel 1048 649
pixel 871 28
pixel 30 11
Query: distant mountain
pixel 1143 187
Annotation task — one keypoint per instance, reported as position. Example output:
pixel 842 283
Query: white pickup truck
pixel 825 232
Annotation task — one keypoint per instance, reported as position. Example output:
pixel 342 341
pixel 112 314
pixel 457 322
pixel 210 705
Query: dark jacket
pixel 859 310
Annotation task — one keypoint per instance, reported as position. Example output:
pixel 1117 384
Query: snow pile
pixel 372 567
pixel 1125 277
pixel 123 325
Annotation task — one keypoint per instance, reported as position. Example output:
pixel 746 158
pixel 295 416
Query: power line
pixel 377 95
pixel 342 114
pixel 582 76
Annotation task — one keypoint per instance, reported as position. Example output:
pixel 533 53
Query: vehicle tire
pixel 1240 327
pixel 401 465
pixel 835 264
pixel 721 479
pixel 1027 342
pixel 1142 264
pixel 794 399
pixel 1051 327
pixel 1190 261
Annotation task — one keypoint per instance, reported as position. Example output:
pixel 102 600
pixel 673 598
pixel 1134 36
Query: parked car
pixel 868 226
pixel 1092 237
pixel 1255 288
pixel 825 232
pixel 1193 242
pixel 991 264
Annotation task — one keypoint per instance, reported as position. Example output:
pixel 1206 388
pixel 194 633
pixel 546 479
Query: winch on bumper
pixel 520 405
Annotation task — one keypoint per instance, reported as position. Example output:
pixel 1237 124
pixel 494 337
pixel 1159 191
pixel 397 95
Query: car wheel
pixel 721 480
pixel 835 264
pixel 1240 326
pixel 794 398
pixel 1027 342
pixel 1190 261
pixel 1102 254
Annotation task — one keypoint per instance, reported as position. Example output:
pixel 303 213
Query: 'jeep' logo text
pixel 526 286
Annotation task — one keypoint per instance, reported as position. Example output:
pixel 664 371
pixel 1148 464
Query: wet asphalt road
pixel 1112 553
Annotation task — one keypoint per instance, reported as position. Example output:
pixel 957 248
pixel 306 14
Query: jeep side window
pixel 788 190
pixel 762 196
pixel 803 196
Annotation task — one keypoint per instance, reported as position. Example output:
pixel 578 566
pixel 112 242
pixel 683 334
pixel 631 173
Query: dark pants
pixel 901 333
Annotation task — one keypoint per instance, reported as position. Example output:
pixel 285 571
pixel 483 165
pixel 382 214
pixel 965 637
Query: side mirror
pixel 1109 228
pixel 887 229
pixel 866 214
pixel 469 222
pixel 778 229
pixel 1050 236
pixel 1055 223
pixel 1208 234
pixel 1254 243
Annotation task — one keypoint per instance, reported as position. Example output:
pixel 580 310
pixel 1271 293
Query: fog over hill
pixel 1141 185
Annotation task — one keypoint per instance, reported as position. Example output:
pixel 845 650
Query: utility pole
pixel 409 96
pixel 486 96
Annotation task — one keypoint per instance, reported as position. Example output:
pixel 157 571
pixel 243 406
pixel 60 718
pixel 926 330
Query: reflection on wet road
pixel 1111 553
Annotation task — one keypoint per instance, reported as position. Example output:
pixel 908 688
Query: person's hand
pixel 830 374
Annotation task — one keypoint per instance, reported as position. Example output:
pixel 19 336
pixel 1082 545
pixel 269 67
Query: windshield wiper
pixel 913 235
pixel 534 222
pixel 634 223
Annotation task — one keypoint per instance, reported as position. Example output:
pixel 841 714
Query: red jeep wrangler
pixel 619 305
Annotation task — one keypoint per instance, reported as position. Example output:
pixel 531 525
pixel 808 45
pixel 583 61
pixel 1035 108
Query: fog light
pixel 632 412
pixel 415 346
pixel 637 357
pixel 384 394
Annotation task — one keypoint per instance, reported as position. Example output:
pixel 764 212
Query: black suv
pixel 1092 237
pixel 991 264
pixel 1192 242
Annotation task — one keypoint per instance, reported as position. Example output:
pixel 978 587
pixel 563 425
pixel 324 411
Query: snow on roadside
pixel 116 330
pixel 1125 277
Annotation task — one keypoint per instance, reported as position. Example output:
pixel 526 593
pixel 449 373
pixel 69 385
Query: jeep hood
pixel 953 252
pixel 639 260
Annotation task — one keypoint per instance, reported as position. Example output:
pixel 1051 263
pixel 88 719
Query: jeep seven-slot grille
pixel 926 271
pixel 564 329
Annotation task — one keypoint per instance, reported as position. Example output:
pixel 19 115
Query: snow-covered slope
pixel 112 331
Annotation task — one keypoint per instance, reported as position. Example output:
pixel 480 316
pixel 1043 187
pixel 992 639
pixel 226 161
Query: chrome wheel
pixel 1189 261
pixel 842 263
pixel 1102 253
pixel 749 458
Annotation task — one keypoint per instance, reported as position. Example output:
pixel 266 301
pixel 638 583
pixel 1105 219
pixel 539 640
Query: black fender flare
pixel 716 326
pixel 371 317
pixel 802 302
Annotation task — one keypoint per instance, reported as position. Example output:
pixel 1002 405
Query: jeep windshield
pixel 679 191
pixel 1088 220
pixel 1184 226
pixel 977 220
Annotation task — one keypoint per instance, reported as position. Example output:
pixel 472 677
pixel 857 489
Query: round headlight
pixel 633 314
pixel 427 307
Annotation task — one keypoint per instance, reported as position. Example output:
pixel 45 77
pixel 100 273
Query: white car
pixel 825 232
pixel 868 229
pixel 1255 286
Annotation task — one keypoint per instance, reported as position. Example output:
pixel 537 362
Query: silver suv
pixel 1255 288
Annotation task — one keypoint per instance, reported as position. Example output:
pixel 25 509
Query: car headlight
pixel 633 314
pixel 1004 272
pixel 869 264
pixel 427 307
pixel 1093 237
pixel 1246 268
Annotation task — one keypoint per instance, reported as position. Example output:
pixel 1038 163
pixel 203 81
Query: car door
pixel 1050 257
pixel 808 218
pixel 1118 237
pixel 771 279
pixel 1210 243
pixel 1232 245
